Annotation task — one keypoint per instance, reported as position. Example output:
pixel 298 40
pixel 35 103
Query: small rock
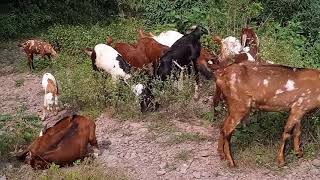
pixel 316 163
pixel 161 172
pixel 184 168
pixel 163 165
pixel 9 166
pixel 315 171
pixel 3 177
pixel 205 175
pixel 205 153
pixel 196 174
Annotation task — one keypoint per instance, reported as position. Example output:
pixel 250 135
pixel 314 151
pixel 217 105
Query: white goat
pixel 167 38
pixel 108 59
pixel 51 92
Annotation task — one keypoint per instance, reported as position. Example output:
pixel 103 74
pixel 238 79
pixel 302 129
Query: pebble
pixel 184 168
pixel 205 153
pixel 161 172
pixel 196 174
pixel 3 177
pixel 316 163
pixel 163 165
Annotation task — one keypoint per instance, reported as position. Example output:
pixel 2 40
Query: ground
pixel 144 149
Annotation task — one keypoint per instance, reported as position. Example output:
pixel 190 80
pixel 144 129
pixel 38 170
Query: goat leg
pixel 293 119
pixel 297 140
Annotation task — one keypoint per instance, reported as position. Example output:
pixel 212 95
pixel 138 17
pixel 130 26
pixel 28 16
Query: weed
pixel 19 82
pixel 184 155
pixel 182 137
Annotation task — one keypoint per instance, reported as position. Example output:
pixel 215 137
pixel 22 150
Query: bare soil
pixel 143 153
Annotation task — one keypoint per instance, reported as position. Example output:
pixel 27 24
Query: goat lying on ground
pixel 34 46
pixel 51 92
pixel 280 88
pixel 183 52
pixel 63 143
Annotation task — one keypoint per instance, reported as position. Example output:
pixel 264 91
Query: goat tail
pixel 88 51
pixel 109 41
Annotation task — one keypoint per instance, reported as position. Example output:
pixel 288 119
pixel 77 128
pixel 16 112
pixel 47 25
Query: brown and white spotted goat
pixel 34 46
pixel 271 88
pixel 51 92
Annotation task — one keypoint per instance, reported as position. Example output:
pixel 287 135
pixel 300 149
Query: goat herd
pixel 242 78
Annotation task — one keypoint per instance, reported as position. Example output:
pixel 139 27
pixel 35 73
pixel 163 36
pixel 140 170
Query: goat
pixel 34 46
pixel 51 92
pixel 108 59
pixel 146 52
pixel 205 56
pixel 281 88
pixel 249 39
pixel 63 143
pixel 167 38
pixel 183 52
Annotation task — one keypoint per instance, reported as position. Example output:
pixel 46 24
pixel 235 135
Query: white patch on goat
pixel 308 91
pixel 168 38
pixel 279 91
pixel 49 101
pixel 250 58
pixel 137 89
pixel 210 62
pixel 106 59
pixel 303 94
pixel 290 85
pixel 265 82
pixel 300 101
pixel 232 44
pixel 270 62
pixel 31 44
pixel 246 49
pixel 45 79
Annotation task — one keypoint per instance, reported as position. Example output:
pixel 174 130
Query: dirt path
pixel 144 153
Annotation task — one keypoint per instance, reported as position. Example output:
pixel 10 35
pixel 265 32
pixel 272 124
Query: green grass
pixel 184 155
pixel 182 137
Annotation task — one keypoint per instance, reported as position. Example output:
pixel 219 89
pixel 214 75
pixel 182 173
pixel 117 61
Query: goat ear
pixel 109 41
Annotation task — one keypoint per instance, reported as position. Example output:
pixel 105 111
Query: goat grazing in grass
pixel 51 92
pixel 34 46
pixel 145 54
pixel 183 52
pixel 249 39
pixel 106 58
pixel 280 88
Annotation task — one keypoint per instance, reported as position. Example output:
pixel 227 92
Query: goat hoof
pixel 299 154
pixel 232 164
pixel 281 163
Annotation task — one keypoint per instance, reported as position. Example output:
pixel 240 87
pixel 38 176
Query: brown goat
pixel 63 143
pixel 271 88
pixel 146 52
pixel 35 46
pixel 250 39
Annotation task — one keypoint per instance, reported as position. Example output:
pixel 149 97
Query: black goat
pixel 184 51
